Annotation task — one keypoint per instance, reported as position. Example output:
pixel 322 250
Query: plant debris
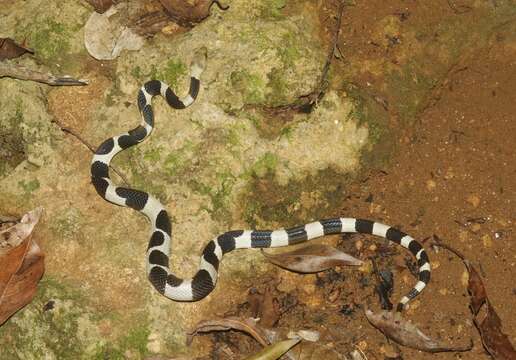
pixel 188 15
pixel 21 265
pixel 249 326
pixel 392 325
pixel 16 71
pixel 107 34
pixel 101 6
pixel 312 259
pixel 9 49
pixel 275 351
pixel 485 318
pixel 384 287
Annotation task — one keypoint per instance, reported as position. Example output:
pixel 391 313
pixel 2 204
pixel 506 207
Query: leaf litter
pixel 485 318
pixel 21 265
pixel 312 259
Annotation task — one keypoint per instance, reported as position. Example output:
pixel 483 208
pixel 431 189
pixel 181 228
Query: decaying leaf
pixel 312 258
pixel 21 265
pixel 488 323
pixel 101 6
pixel 187 14
pixel 107 34
pixel 275 351
pixel 248 326
pixel 392 325
pixel 9 49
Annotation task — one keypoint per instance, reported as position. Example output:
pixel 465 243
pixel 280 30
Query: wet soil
pixel 451 175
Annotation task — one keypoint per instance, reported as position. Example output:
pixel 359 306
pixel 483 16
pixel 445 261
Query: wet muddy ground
pixel 451 176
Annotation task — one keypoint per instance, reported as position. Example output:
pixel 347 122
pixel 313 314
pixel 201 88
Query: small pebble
pixel 443 291
pixel 464 278
pixel 430 184
pixel 486 240
pixel 435 264
pixel 475 227
pixel 334 295
pixel 373 247
pixel 473 200
pixel 359 244
pixel 362 345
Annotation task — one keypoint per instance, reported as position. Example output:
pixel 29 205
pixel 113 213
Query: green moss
pixel 218 194
pixel 173 164
pixel 251 86
pixel 272 9
pixel 265 165
pixel 289 51
pixel 57 328
pixel 169 73
pixel 49 39
pixel 152 155
pixel 278 87
pixel 30 186
pixel 136 340
pixel 136 72
pixel 173 70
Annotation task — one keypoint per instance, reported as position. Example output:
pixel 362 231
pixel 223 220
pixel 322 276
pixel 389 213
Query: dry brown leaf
pixel 248 326
pixel 101 6
pixel 186 14
pixel 312 259
pixel 21 265
pixel 405 333
pixel 9 49
pixel 487 322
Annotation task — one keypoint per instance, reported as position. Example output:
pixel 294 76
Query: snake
pixel 159 246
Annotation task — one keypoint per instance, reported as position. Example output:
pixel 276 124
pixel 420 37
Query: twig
pixel 16 71
pixel 67 130
pixel 449 248
pixel 323 83
pixel 458 9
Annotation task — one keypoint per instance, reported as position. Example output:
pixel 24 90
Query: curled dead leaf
pixel 21 265
pixel 189 14
pixel 485 318
pixel 487 322
pixel 392 325
pixel 107 34
pixel 9 49
pixel 248 326
pixel 312 258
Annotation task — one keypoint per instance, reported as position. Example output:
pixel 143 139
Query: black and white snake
pixel 205 279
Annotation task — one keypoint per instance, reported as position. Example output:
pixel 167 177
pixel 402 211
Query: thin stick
pixel 16 71
pixel 323 83
pixel 67 130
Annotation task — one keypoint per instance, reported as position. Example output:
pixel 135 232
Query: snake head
pixel 199 60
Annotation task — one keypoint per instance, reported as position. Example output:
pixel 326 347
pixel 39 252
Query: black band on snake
pixel 205 279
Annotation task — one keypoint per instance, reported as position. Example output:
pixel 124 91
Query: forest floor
pixel 451 175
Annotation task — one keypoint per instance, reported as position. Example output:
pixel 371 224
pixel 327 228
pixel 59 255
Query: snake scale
pixel 203 282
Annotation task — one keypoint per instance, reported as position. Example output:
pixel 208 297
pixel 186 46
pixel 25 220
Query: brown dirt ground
pixel 452 175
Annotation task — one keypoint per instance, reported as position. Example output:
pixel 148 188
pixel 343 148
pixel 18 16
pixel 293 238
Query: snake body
pixel 203 282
